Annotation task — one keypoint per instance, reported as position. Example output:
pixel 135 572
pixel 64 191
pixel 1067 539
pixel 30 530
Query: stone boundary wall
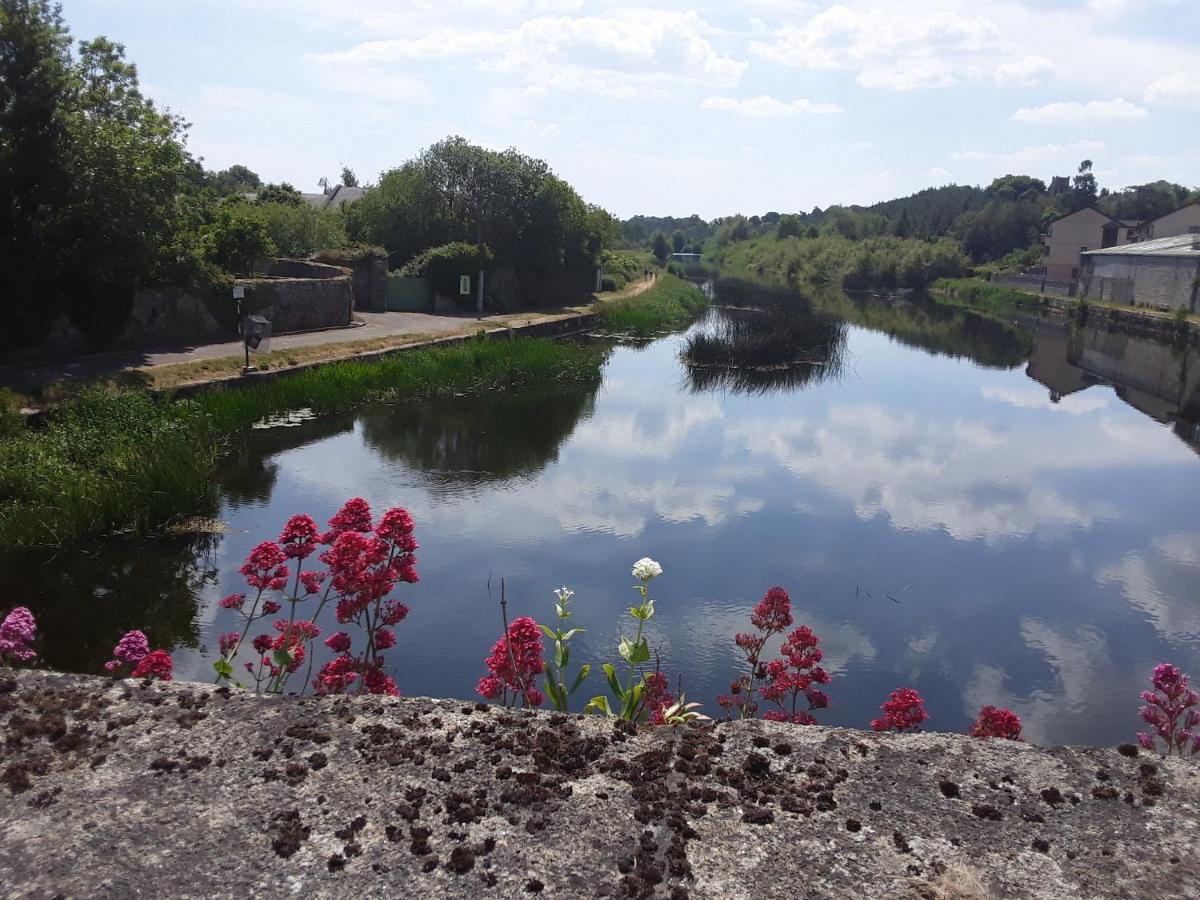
pixel 1038 283
pixel 123 788
pixel 300 304
pixel 303 268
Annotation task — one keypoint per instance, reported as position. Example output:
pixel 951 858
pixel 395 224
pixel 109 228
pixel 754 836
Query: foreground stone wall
pixel 300 304
pixel 119 789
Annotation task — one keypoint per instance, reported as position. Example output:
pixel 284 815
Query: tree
pixel 238 242
pixel 789 226
pixel 95 179
pixel 660 247
pixel 237 179
pixel 349 179
pixel 279 193
pixel 678 241
pixel 1083 186
pixel 1016 187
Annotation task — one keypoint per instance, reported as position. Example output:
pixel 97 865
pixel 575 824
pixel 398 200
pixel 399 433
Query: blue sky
pixel 713 107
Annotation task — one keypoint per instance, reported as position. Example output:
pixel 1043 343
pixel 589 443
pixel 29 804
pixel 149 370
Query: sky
pixel 710 107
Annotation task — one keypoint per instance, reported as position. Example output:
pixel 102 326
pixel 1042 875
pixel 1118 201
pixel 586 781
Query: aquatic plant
pixel 18 631
pixel 1171 711
pixel 993 721
pixel 670 303
pixel 904 710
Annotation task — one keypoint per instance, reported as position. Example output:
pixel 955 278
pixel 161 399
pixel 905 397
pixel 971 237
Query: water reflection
pixel 478 439
pixel 755 350
pixel 85 599
pixel 992 512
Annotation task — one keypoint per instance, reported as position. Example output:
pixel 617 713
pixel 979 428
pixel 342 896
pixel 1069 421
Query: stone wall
pixel 303 268
pixel 300 304
pixel 120 788
pixel 1164 282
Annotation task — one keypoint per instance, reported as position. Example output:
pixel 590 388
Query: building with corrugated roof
pixel 1163 273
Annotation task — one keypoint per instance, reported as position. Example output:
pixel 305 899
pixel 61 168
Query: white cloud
pixel 895 48
pixel 1025 71
pixel 769 107
pixel 551 130
pixel 908 74
pixel 1038 398
pixel 1075 111
pixel 938 174
pixel 1181 89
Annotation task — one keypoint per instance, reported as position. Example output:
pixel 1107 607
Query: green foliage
pixel 124 461
pixel 638 231
pixel 678 241
pixel 456 192
pixel 882 262
pixel 92 174
pixel 349 179
pixel 445 264
pixel 238 240
pixel 295 230
pixel 660 247
pixel 556 686
pixel 621 268
pixel 670 303
pixel 279 193
pixel 237 179
pixel 1147 201
pixel 1017 187
pixel 789 226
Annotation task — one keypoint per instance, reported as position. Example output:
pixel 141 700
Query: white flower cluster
pixel 646 568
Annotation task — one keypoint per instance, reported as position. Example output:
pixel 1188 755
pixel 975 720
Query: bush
pixel 238 241
pixel 608 283
pixel 445 264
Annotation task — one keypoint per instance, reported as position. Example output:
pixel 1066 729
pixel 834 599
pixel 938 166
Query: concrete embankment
pixel 120 789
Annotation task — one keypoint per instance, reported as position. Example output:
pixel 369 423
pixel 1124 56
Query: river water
pixel 987 511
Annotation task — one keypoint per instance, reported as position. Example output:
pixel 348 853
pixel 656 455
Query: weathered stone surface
pixel 120 789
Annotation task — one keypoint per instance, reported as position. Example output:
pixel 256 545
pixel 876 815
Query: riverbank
pixel 123 460
pixel 115 788
pixel 666 302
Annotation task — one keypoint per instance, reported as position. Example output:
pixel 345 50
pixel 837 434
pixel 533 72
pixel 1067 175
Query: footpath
pixel 124 789
pixel 372 335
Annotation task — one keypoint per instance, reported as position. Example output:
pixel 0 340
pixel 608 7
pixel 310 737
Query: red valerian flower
pixel 355 515
pixel 773 612
pixel 394 612
pixel 264 568
pixel 1171 711
pixel 338 642
pixel 996 722
pixel 903 711
pixel 337 675
pixel 312 581
pixel 228 642
pixel 516 661
pixel 376 682
pixel 17 634
pixel 262 643
pixel 131 649
pixel 233 601
pixel 385 639
pixel 396 525
pixel 156 664
pixel 771 615
pixel 270 607
pixel 794 676
pixel 299 537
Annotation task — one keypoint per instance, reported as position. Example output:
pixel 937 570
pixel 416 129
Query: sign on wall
pixel 464 285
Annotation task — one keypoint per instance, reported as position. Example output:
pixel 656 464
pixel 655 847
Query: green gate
pixel 409 294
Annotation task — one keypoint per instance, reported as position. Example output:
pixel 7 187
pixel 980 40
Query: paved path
pixel 374 325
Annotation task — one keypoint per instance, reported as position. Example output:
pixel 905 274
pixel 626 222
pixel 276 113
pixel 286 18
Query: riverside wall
pixel 123 788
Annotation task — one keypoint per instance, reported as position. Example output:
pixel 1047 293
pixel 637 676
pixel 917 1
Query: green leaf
pixel 561 655
pixel 583 673
pixel 549 632
pixel 599 704
pixel 282 658
pixel 639 653
pixel 223 668
pixel 611 674
pixel 632 699
pixel 570 634
pixel 625 648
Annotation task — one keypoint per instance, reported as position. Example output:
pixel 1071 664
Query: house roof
pixel 1094 209
pixel 1186 245
pixel 1172 212
pixel 335 199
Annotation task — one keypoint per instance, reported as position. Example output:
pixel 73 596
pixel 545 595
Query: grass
pixel 111 460
pixel 669 303
pixel 982 296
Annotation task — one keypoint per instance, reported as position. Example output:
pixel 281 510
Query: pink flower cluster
pixel 770 616
pixel 17 634
pixel 903 711
pixel 793 676
pixel 1171 711
pixel 133 657
pixel 363 564
pixel 993 721
pixel 514 664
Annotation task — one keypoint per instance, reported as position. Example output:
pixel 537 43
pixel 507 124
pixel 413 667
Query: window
pixel 1083 249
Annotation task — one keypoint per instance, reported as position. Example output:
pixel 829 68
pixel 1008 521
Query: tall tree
pixel 1083 186
pixel 349 179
